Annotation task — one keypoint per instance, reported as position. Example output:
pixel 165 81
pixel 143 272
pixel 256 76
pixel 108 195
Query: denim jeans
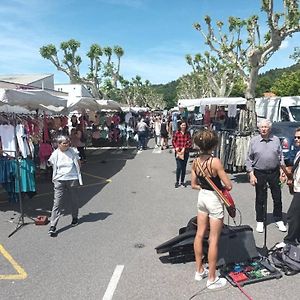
pixel 142 139
pixel 181 167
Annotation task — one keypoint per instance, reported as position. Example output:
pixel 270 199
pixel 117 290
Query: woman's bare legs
pixel 216 226
pixel 202 222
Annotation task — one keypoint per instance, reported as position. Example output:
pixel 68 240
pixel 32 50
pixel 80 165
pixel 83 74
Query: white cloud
pixel 284 45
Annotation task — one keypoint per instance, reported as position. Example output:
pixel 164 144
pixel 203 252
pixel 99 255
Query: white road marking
pixel 113 282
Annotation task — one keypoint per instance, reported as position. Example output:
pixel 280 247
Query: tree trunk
pixel 250 96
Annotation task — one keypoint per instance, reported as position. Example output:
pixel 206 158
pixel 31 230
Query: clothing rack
pixel 21 221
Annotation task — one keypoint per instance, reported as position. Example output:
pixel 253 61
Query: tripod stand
pixel 264 251
pixel 15 153
pixel 21 221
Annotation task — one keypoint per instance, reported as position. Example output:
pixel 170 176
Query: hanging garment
pixel 27 175
pixel 232 110
pixel 7 134
pixel 5 170
pixel 45 151
pixel 22 140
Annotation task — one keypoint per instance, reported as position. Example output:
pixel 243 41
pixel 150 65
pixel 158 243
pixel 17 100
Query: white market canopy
pixel 109 105
pixel 135 109
pixel 30 100
pixel 91 104
pixel 221 101
pixel 82 103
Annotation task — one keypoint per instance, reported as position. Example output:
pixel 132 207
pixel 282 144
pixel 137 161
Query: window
pixel 284 114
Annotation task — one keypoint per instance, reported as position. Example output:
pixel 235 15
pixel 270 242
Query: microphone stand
pixel 264 251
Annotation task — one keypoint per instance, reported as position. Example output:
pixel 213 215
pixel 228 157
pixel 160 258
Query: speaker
pixel 236 245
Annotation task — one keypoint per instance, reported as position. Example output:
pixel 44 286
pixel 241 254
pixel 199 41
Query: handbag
pixel 180 155
pixel 223 194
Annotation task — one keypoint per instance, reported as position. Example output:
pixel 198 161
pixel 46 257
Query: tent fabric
pixel 79 103
pixel 135 109
pixel 109 105
pixel 31 99
pixel 92 104
pixel 211 101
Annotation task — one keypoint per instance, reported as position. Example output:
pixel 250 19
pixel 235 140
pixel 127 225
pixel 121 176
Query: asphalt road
pixel 128 206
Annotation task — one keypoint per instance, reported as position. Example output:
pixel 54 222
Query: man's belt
pixel 267 171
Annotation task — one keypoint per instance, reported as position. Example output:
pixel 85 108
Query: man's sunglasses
pixel 297 137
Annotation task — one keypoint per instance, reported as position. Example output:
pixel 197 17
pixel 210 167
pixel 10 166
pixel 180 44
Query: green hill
pixel 264 84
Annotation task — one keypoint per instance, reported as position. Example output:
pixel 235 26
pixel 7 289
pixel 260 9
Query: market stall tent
pixel 89 103
pixel 31 100
pixel 82 103
pixel 109 105
pixel 221 101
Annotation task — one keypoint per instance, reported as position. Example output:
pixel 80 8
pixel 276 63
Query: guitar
pixel 223 194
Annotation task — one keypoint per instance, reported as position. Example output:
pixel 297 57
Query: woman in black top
pixel 164 134
pixel 210 207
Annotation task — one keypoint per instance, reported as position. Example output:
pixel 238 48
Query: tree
pixel 263 85
pixel 101 66
pixel 296 54
pixel 168 91
pixel 193 86
pixel 252 54
pixel 287 85
pixel 238 88
pixel 137 92
pixel 218 74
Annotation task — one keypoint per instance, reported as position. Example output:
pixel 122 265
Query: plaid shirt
pixel 182 140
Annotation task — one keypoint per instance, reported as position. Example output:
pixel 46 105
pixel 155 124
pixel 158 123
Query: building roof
pixel 26 79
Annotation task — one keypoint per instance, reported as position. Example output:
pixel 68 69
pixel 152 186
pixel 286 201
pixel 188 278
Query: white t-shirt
pixel 66 169
pixel 7 134
pixel 22 140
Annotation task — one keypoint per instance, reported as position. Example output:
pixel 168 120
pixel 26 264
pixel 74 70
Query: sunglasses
pixel 297 137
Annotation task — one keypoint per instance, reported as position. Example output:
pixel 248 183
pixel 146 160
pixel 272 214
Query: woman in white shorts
pixel 210 208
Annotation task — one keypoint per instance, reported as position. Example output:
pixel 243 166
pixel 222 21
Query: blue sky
pixel 155 34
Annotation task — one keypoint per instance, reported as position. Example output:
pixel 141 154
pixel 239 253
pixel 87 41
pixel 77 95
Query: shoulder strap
pixel 211 183
pixel 205 176
pixel 295 166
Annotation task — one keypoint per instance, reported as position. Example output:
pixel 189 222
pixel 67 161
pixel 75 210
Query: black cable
pixel 233 219
pixel 206 287
pixel 198 293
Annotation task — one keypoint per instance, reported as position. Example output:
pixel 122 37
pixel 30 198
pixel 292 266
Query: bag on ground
pixel 287 259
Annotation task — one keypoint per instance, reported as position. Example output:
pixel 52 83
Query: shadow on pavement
pixel 96 173
pixel 240 178
pixel 93 217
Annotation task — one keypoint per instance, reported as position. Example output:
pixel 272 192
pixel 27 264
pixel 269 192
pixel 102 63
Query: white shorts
pixel 209 203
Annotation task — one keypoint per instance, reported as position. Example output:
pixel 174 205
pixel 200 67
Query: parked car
pixel 286 131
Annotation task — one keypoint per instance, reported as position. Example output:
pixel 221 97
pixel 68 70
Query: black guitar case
pixel 236 244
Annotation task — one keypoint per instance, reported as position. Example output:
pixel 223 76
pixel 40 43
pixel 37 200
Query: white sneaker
pixel 280 245
pixel 281 226
pixel 260 227
pixel 216 284
pixel 199 276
